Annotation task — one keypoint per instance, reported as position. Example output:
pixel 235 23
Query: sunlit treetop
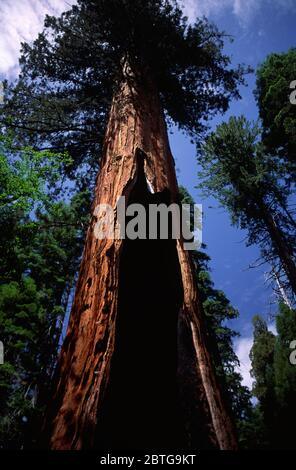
pixel 70 72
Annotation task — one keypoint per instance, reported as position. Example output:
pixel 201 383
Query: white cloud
pixel 244 10
pixel 193 8
pixel 242 349
pixel 272 328
pixel 22 20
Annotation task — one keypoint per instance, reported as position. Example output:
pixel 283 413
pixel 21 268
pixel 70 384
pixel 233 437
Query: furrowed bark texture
pixel 136 127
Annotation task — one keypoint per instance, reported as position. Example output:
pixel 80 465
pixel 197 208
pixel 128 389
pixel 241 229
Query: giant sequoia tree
pixel 136 317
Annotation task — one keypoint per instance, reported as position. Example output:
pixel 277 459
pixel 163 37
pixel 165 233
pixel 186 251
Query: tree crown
pixel 70 72
pixel 277 113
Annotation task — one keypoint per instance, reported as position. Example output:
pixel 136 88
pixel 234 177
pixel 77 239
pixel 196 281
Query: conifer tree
pixel 99 82
pixel 251 185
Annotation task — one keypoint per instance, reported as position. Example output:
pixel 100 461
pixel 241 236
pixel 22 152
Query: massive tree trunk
pixel 136 304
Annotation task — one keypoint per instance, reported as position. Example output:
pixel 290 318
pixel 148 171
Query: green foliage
pixel 25 174
pixel 26 177
pixel 41 244
pixel 251 185
pixel 277 113
pixel 285 372
pixel 262 357
pixel 22 317
pixel 285 377
pixel 237 172
pixel 69 74
pixel 253 431
pixel 275 379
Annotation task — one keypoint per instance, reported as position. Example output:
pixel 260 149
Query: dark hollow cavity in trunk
pixel 141 408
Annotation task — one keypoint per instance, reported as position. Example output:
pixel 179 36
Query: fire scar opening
pixel 141 407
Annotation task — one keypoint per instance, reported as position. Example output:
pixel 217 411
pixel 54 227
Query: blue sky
pixel 259 27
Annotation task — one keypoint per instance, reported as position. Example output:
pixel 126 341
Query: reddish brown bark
pixel 136 125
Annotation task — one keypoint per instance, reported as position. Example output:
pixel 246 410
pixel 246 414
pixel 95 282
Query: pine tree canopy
pixel 246 181
pixel 70 72
pixel 238 173
pixel 277 112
